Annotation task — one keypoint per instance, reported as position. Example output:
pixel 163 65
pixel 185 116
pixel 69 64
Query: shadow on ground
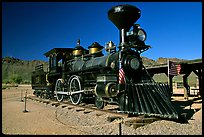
pixel 185 109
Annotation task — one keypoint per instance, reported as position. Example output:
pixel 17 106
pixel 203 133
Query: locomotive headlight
pixel 137 34
pixel 134 63
pixel 141 34
pixel 131 63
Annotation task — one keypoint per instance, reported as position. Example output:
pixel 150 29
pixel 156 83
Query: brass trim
pixel 77 52
pixel 95 90
pixel 107 92
pixel 47 78
pixel 107 59
pixel 93 50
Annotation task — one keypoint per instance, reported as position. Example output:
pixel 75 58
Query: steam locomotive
pixel 78 74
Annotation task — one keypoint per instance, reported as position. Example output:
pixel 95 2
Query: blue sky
pixel 29 29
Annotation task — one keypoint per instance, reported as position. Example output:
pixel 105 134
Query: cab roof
pixel 58 50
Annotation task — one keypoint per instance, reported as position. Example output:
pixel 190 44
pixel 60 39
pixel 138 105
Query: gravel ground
pixel 45 119
pixel 96 123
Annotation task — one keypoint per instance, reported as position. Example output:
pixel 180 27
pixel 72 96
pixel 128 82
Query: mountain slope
pixel 12 66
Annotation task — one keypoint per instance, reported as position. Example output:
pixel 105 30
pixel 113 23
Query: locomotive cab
pixel 57 57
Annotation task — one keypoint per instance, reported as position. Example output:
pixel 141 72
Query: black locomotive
pixel 119 77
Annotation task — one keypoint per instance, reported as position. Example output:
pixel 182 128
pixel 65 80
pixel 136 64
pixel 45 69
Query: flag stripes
pixel 178 68
pixel 121 74
pixel 174 69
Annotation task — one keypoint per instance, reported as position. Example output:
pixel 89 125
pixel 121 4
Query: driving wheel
pixel 59 87
pixel 74 86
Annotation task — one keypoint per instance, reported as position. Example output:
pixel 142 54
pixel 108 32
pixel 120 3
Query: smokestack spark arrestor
pixel 124 17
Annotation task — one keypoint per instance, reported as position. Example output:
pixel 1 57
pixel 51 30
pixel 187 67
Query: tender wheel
pixel 75 85
pixel 99 103
pixel 46 94
pixel 59 87
pixel 42 94
pixel 37 93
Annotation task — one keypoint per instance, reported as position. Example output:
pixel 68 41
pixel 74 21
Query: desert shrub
pixel 16 78
pixel 7 81
pixel 26 82
pixel 4 86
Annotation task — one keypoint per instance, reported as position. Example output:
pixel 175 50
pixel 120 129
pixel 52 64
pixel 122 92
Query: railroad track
pixel 80 107
pixel 126 119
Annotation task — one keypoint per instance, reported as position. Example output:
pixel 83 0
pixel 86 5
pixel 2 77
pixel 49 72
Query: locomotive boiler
pixel 119 77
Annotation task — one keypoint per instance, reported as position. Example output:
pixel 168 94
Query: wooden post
pixel 199 74
pixel 186 86
pixel 200 82
pixel 170 77
pixel 120 127
pixel 170 82
pixel 25 103
pixel 21 96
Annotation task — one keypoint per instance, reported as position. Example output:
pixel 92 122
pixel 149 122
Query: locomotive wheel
pixel 99 103
pixel 46 94
pixel 59 87
pixel 42 94
pixel 75 85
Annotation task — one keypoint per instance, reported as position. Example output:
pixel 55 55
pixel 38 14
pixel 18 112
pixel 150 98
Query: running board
pixel 150 99
pixel 68 93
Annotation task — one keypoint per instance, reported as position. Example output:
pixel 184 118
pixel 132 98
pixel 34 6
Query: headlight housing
pixel 137 34
pixel 131 63
pixel 141 35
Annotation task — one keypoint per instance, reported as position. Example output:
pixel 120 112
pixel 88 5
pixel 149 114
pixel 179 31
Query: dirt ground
pixel 40 118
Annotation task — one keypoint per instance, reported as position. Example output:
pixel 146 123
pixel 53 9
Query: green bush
pixel 16 78
pixel 4 87
pixel 7 81
pixel 26 82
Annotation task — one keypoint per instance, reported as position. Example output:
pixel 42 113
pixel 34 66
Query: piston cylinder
pixel 106 86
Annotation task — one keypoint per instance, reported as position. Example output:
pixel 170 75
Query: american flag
pixel 121 74
pixel 173 68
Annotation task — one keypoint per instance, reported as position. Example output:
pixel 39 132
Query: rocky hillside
pixel 164 60
pixel 12 66
pixel 150 62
